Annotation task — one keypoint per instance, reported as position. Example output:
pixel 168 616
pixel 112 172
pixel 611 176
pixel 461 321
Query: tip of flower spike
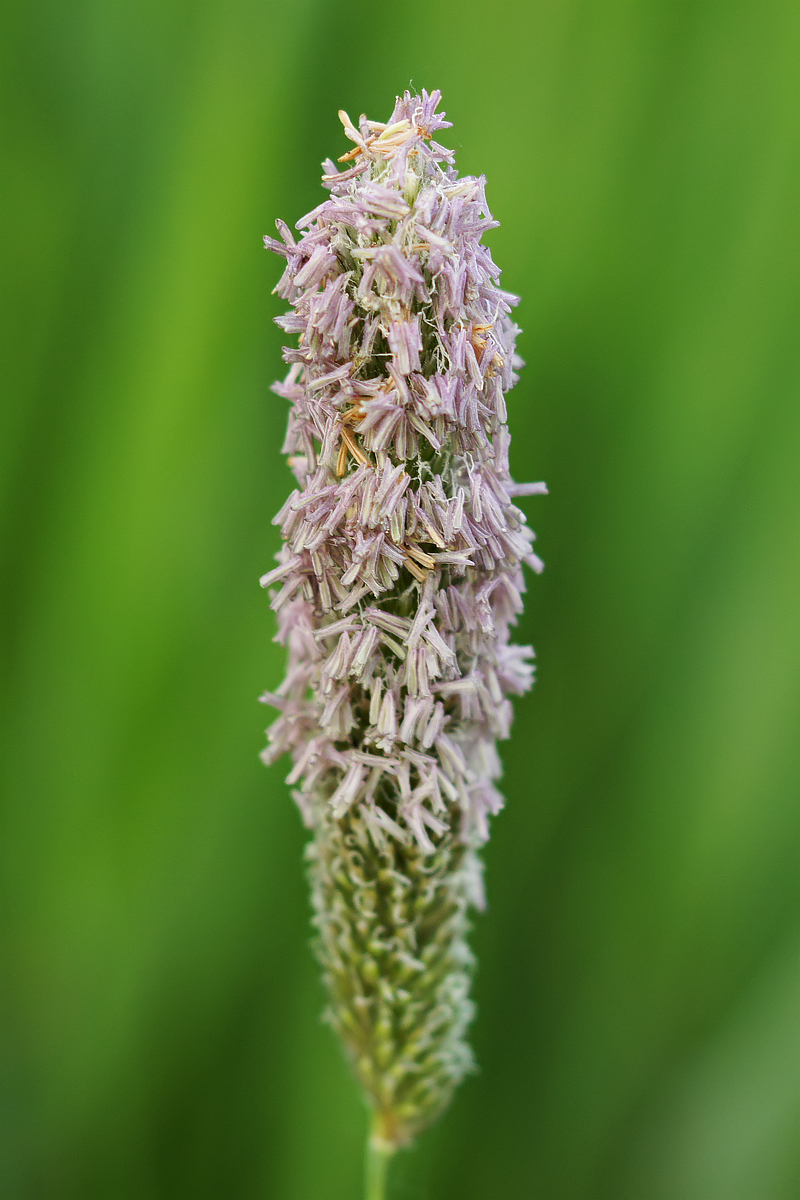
pixel 414 120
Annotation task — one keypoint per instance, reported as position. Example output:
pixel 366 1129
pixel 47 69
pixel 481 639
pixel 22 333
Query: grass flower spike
pixel 398 582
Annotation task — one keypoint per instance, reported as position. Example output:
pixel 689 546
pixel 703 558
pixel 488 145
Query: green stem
pixel 378 1154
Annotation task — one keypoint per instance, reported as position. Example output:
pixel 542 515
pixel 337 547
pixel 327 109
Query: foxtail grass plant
pixel 398 582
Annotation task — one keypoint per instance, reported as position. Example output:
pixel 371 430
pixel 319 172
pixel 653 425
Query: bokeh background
pixel 639 987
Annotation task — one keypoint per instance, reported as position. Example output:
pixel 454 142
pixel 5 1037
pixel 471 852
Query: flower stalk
pixel 397 586
pixel 379 1152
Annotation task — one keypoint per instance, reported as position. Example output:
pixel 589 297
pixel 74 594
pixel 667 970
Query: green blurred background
pixel 639 987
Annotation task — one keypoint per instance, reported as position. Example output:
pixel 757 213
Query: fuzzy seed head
pixel 397 585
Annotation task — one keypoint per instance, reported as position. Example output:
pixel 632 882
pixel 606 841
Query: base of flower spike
pixel 392 928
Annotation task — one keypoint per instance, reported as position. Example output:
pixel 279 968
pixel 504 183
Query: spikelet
pixel 397 585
